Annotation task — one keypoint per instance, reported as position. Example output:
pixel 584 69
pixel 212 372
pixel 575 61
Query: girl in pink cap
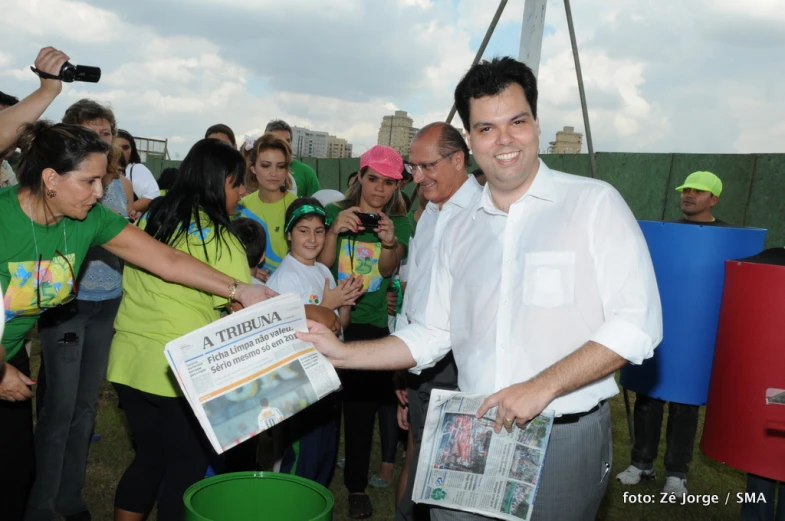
pixel 373 252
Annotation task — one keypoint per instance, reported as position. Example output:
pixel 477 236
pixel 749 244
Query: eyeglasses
pixel 426 167
pixel 71 296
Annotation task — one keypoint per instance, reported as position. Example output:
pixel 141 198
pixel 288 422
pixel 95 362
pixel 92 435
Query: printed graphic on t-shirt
pixel 313 298
pixel 361 258
pixel 201 234
pixel 53 277
pixel 271 259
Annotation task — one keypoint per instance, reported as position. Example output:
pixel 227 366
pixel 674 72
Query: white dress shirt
pixel 514 293
pixel 423 248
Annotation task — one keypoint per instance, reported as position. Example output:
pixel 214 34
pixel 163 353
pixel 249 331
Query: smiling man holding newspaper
pixel 565 297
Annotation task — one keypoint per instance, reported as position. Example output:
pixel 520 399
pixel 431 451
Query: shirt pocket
pixel 549 279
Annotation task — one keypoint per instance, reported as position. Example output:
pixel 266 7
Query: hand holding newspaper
pixel 247 372
pixel 465 465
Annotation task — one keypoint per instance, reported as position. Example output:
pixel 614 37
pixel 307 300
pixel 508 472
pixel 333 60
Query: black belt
pixel 574 417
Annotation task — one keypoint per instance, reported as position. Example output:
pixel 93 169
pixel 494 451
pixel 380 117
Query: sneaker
pixel 633 475
pixel 675 486
pixel 377 482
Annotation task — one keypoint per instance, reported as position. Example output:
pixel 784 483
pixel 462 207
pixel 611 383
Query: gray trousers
pixel 73 373
pixel 576 473
pixel 444 375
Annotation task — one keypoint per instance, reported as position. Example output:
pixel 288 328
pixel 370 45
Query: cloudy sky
pixel 661 76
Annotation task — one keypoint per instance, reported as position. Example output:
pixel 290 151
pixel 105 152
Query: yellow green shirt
pixel 272 217
pixel 154 312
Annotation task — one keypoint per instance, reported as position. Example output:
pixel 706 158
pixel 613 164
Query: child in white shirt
pixel 300 273
pixel 310 438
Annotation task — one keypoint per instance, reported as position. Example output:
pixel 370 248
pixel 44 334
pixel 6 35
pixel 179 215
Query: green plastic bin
pixel 258 496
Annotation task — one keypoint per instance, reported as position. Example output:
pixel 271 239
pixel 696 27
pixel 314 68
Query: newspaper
pixel 248 372
pixel 465 465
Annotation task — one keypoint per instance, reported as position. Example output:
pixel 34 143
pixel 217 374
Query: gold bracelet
pixel 392 246
pixel 233 289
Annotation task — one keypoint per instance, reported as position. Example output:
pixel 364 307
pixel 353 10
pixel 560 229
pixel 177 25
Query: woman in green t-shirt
pixel 374 253
pixel 269 160
pixel 49 222
pixel 194 218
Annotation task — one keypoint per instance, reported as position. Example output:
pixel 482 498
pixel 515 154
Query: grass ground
pixel 111 455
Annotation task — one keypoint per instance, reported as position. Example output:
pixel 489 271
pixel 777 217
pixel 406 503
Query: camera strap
pixel 44 75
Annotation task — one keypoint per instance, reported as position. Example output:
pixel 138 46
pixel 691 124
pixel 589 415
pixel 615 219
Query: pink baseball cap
pixel 384 160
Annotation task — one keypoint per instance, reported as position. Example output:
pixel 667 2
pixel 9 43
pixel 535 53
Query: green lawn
pixel 110 456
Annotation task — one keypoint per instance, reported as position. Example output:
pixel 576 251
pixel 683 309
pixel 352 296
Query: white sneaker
pixel 676 486
pixel 633 475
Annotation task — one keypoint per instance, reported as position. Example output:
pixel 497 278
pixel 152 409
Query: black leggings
pixel 365 393
pixel 170 446
pixel 17 462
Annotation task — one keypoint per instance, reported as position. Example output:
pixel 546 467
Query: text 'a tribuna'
pixel 243 328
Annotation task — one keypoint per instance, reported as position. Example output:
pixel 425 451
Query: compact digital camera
pixel 369 221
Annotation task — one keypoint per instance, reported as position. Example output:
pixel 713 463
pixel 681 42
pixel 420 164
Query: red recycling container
pixel 740 429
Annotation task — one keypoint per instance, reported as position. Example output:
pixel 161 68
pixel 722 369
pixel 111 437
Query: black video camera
pixel 369 221
pixel 70 73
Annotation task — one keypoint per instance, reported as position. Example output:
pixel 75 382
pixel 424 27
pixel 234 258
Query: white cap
pixel 328 196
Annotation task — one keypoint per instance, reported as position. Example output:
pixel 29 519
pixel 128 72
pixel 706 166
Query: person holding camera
pixel 269 160
pixel 49 61
pixel 49 222
pixel 368 238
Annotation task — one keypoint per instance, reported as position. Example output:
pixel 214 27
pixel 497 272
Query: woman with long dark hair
pixel 49 222
pixel 193 217
pixel 372 253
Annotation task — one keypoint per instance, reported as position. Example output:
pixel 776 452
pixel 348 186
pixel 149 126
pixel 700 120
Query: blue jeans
pixel 73 372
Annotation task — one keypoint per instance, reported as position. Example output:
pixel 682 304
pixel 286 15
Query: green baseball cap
pixel 705 181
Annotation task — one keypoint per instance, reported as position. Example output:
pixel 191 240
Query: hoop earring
pixel 51 193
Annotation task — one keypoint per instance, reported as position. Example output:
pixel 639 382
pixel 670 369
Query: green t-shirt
pixel 154 312
pixel 272 217
pixel 359 254
pixel 23 278
pixel 306 179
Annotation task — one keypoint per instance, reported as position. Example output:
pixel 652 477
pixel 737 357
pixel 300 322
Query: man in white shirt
pixel 564 297
pixel 437 161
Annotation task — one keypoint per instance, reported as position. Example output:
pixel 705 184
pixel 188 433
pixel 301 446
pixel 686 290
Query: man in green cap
pixel 699 193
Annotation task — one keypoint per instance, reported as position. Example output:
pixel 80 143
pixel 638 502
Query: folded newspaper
pixel 466 466
pixel 247 372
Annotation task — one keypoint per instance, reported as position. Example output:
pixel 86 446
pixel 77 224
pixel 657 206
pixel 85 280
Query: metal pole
pixel 532 30
pixel 592 161
pixel 483 45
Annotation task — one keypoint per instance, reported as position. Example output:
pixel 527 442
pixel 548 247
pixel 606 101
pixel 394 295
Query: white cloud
pixel 659 76
pixel 69 20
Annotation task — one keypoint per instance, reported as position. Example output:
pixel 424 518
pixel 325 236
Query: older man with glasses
pixel 437 161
